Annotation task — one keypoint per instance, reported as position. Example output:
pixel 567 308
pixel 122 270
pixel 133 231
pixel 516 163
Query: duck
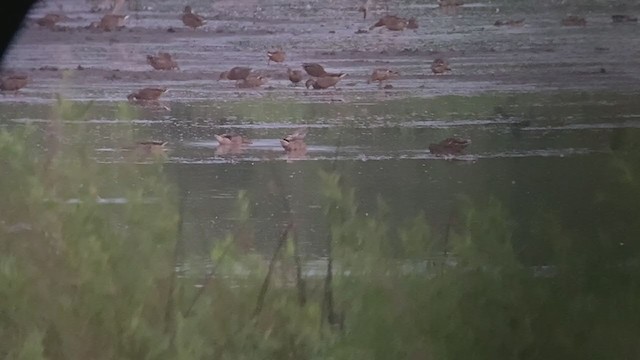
pixel 398 25
pixel 317 70
pixel 623 18
pixel 509 22
pixel 293 146
pixel 381 75
pixel 294 142
pixel 449 146
pixel 162 61
pixel 191 19
pixel 276 56
pixel 231 139
pixel 111 22
pixel 391 22
pixel 150 147
pixel 236 73
pixel 324 82
pixel 574 20
pixel 440 66
pixel 298 134
pixel 251 82
pixel 449 3
pixel 146 94
pixel 314 69
pixel 13 82
pixel 50 20
pixel 295 76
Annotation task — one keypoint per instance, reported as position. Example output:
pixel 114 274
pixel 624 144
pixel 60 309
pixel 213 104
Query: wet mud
pixel 540 55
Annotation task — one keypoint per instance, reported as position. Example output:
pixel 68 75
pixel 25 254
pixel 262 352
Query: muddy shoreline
pixel 542 55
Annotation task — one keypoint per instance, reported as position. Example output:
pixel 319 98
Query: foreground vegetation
pixel 82 277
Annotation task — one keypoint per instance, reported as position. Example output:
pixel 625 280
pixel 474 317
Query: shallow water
pixel 533 101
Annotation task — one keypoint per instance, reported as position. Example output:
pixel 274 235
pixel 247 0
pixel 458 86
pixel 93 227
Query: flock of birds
pixel 244 77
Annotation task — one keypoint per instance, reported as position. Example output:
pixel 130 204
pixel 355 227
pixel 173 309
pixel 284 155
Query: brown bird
pixel 236 73
pixel 313 69
pixel 298 134
pixel 251 82
pixel 50 20
pixel 150 148
pixel 192 19
pixel 110 22
pixel 13 82
pixel 231 139
pixel 162 61
pixel 574 20
pixel 295 76
pixel 449 146
pixel 509 22
pixel 396 25
pixel 440 66
pixel 275 56
pixel 316 70
pixel 623 18
pixel 295 146
pixel 146 94
pixel 381 75
pixel 391 22
pixel 324 82
pixel 294 142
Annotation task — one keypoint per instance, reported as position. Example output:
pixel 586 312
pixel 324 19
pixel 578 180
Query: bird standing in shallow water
pixel 295 76
pixel 275 56
pixel 313 69
pixel 150 148
pixel 440 66
pixel 231 139
pixel 381 75
pixel 110 22
pixel 294 142
pixel 146 95
pixel 162 61
pixel 13 82
pixel 114 20
pixel 191 19
pixel 324 82
pixel 50 20
pixel 317 71
pixel 391 22
pixel 236 73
